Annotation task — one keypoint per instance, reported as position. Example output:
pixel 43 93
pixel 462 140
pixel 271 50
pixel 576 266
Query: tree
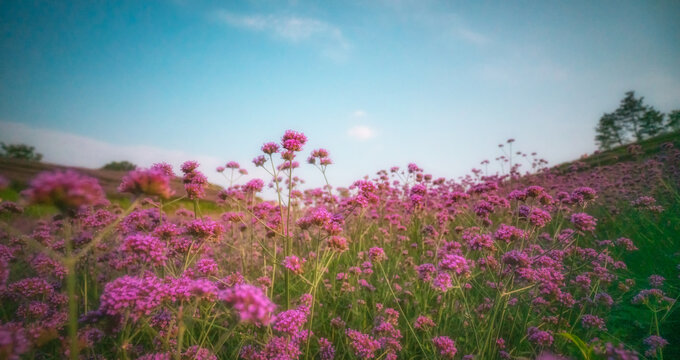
pixel 609 132
pixel 673 123
pixel 119 166
pixel 651 123
pixel 20 151
pixel 630 113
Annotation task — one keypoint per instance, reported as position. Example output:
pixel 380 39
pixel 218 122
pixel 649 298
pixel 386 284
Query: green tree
pixel 20 151
pixel 673 123
pixel 651 123
pixel 630 112
pixel 119 166
pixel 609 132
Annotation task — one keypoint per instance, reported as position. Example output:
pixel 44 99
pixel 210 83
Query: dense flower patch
pixel 401 265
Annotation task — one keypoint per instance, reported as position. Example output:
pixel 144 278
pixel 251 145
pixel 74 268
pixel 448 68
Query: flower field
pixel 572 262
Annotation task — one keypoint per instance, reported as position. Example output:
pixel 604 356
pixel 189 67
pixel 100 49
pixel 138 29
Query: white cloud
pixel 359 114
pixel 293 29
pixel 361 132
pixel 75 150
pixel 472 37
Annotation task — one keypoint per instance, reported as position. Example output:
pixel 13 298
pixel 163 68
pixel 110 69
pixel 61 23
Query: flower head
pixel 250 302
pixel 67 190
pixel 153 182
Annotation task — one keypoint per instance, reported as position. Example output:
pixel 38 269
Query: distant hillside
pixel 20 172
pixel 647 148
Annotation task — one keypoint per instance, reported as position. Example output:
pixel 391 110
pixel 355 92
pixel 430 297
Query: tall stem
pixel 70 263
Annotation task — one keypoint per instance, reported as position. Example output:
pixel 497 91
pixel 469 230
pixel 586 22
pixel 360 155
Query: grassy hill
pixel 648 147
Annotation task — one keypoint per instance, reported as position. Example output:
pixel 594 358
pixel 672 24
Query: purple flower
pixel 4 182
pixel 205 228
pixel 250 302
pixel 655 343
pixel 592 321
pixel 194 181
pixel 539 217
pixel 294 264
pixel 136 296
pixel 326 349
pixel 293 141
pixel 152 182
pixel 539 337
pixel 445 346
pixel 270 148
pixel 363 345
pixel 290 322
pixel 442 282
pixel 145 248
pixel 13 341
pixel 454 263
pixel 584 222
pixel 67 190
pixel 656 280
pixel 423 323
pixel 377 254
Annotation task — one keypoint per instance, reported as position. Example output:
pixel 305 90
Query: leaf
pixel 586 350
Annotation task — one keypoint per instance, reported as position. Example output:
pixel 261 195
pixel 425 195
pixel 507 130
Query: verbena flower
pixel 67 190
pixel 445 346
pixel 250 302
pixel 152 182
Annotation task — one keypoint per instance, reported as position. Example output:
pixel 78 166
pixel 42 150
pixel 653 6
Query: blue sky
pixel 377 83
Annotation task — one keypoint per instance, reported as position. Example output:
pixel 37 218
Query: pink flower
pixel 654 342
pixel 293 141
pixel 67 190
pixel 259 160
pixel 290 322
pixel 270 148
pixel 250 302
pixel 338 243
pixel 539 217
pixel 194 181
pixel 135 296
pixel 442 282
pixel 4 182
pixel 164 168
pixel 445 346
pixel 254 186
pixel 539 337
pixel 13 341
pixel 454 263
pixel 592 321
pixel 206 229
pixel 364 345
pixel 145 248
pixel 656 280
pixel 377 254
pixel 294 264
pixel 152 182
pixel 326 349
pixel 584 222
pixel 424 323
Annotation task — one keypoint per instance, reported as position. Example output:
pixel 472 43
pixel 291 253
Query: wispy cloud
pixel 359 114
pixel 294 29
pixel 471 36
pixel 75 150
pixel 523 64
pixel 361 132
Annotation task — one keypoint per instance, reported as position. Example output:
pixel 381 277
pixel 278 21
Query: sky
pixel 377 83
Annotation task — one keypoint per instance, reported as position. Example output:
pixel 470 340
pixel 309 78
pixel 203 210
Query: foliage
pixel 632 120
pixel 119 166
pixel 20 151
